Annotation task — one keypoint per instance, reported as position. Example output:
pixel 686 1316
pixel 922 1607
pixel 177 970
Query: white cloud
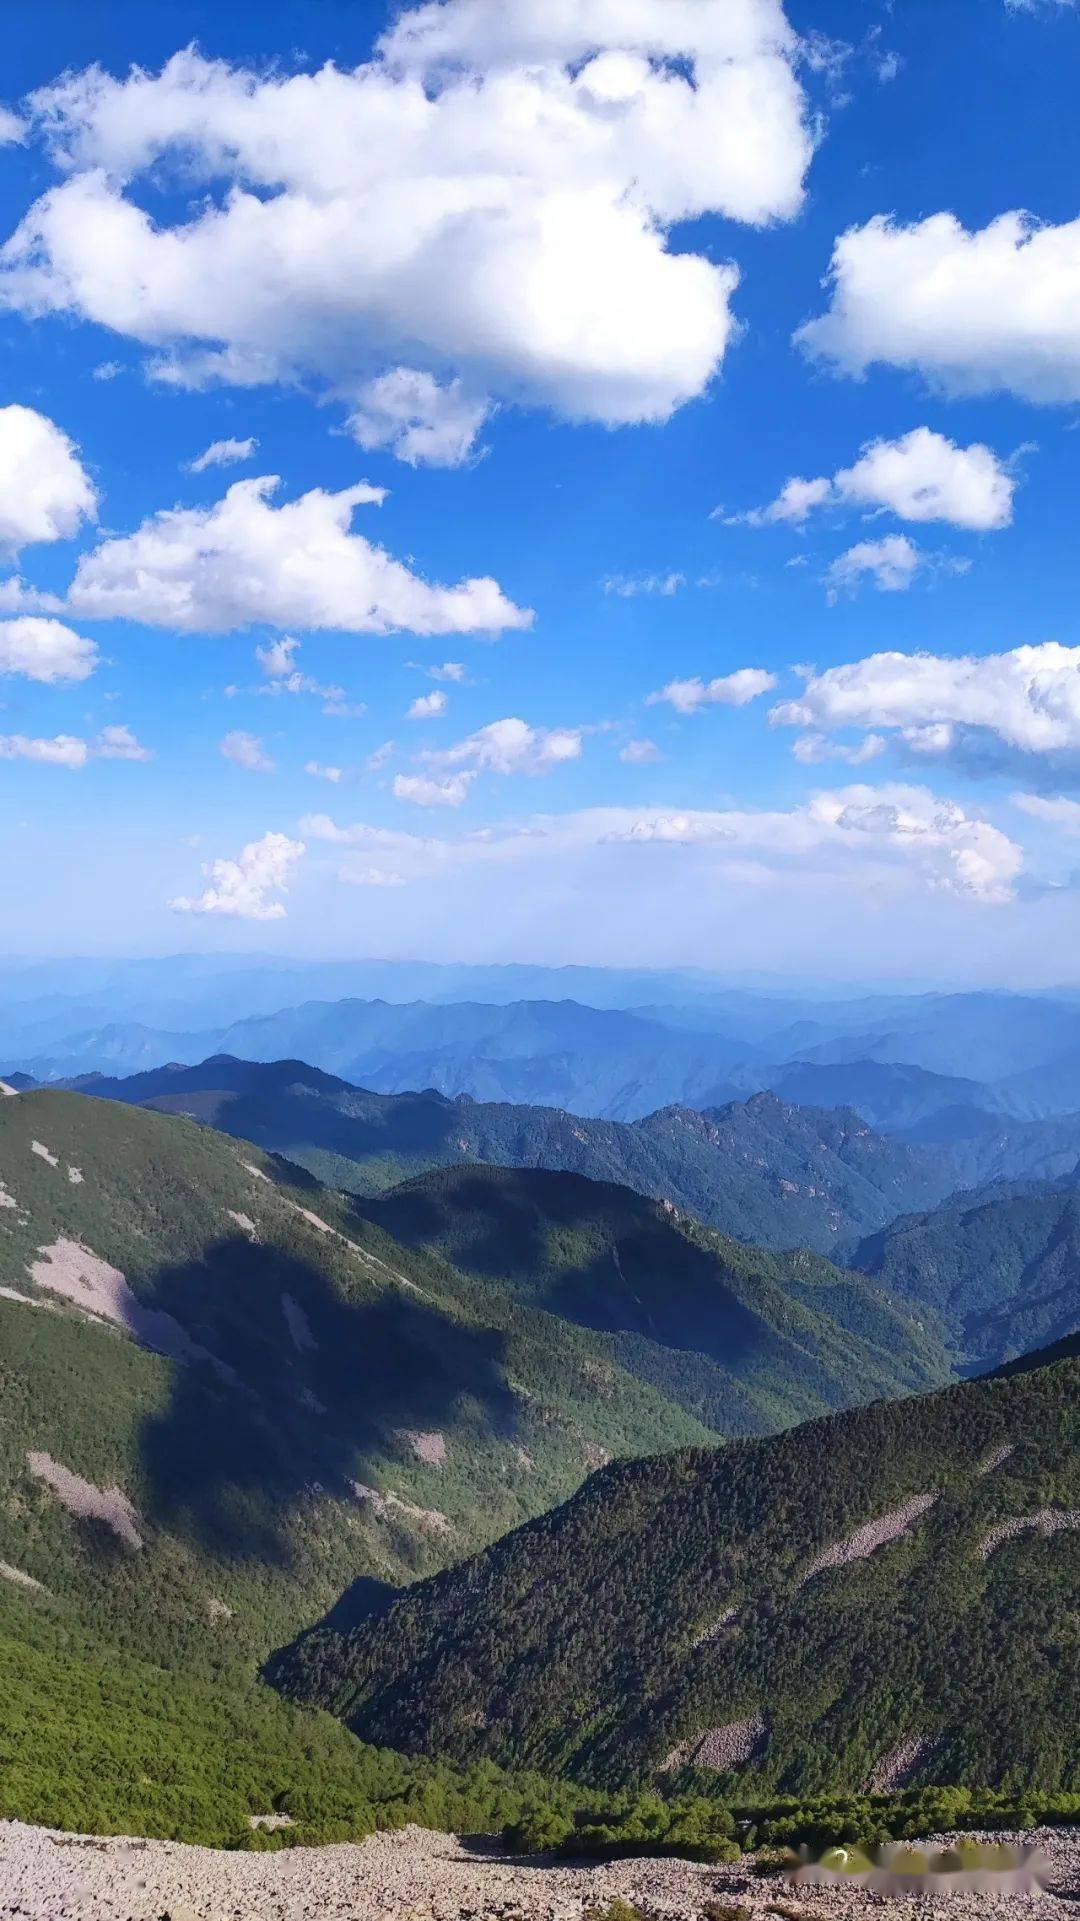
pixel 45 650
pixel 812 749
pixel 451 670
pixel 277 657
pixel 640 753
pixel 13 131
pixel 513 747
pixel 532 157
pixel 891 563
pixel 894 837
pixel 423 792
pixel 318 772
pixel 1026 701
pixel 981 312
pixel 107 370
pixel 422 423
pixel 245 750
pixel 727 690
pixel 922 477
pixel 379 757
pixel 65 750
pixel 119 743
pixel 375 877
pixel 796 499
pixel 628 586
pixel 45 492
pixel 17 598
pixel 215 569
pixel 242 887
pixel 427 706
pixel 68 750
pixel 1056 810
pixel 223 453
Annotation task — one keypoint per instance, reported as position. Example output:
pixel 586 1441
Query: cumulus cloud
pixel 13 131
pixel 244 888
pixel 795 501
pixel 640 753
pixel 45 650
pixel 628 586
pixel 895 836
pixel 45 491
pixel 68 750
pixel 812 749
pixel 425 792
pixel 513 747
pixel 452 670
pixel 319 772
pixel 223 453
pixel 997 309
pixel 969 707
pixel 508 746
pixel 64 750
pixel 922 476
pixel 422 423
pixel 427 706
pixel 1057 810
pixel 119 743
pixel 535 157
pixel 17 598
pixel 727 690
pixel 247 751
pixel 243 560
pixel 890 563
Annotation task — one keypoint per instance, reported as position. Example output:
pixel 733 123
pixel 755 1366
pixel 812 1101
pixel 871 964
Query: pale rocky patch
pixel 997 1459
pixel 426 1447
pixel 72 1271
pixel 386 1506
pixel 1048 1520
pixel 873 1534
pixel 414 1874
pixel 7 1092
pixel 75 1176
pixel 249 1167
pixel 723 1747
pixel 18 1579
pixel 895 1769
pixel 6 1199
pixel 244 1222
pixel 44 1153
pixel 218 1610
pixel 714 1629
pixel 108 1504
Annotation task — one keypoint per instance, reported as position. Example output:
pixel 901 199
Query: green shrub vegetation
pixel 675 1595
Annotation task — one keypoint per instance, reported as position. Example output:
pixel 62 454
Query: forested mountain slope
pixel 789 1333
pixel 889 1594
pixel 761 1169
pixel 222 1392
pixel 1001 1265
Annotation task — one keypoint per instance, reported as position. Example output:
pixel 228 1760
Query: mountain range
pixel 761 1169
pixel 944 1069
pixel 879 1598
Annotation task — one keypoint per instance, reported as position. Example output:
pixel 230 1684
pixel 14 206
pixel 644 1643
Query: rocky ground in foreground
pixel 419 1876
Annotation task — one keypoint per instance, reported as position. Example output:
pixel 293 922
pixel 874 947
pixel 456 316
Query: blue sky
pixel 516 319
